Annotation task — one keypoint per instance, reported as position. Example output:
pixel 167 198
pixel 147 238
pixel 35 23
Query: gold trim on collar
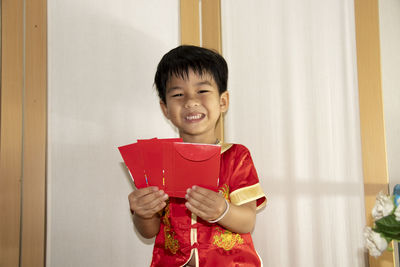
pixel 224 146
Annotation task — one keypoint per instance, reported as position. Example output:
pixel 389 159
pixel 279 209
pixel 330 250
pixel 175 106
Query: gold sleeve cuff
pixel 247 194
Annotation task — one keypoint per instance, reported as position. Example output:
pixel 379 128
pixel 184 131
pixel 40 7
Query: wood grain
pixel 11 130
pixel 371 111
pixel 190 22
pixel 34 147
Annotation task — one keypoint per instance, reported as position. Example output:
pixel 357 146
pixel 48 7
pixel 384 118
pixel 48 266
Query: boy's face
pixel 194 106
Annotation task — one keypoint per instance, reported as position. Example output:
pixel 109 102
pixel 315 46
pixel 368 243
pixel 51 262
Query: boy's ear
pixel 224 101
pixel 164 108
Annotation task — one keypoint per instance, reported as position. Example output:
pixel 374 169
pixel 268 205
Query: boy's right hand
pixel 146 202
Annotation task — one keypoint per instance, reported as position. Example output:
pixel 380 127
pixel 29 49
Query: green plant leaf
pixel 388 226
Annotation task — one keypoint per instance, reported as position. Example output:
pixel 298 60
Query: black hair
pixel 183 58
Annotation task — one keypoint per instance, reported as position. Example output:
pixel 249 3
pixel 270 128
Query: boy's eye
pixel 203 91
pixel 177 95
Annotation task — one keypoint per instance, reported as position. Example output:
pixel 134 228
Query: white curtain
pixel 294 103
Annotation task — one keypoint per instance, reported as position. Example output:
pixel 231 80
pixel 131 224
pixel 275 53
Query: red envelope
pixel 172 165
pixel 155 139
pixel 144 161
pixel 134 161
pixel 190 164
pixel 152 154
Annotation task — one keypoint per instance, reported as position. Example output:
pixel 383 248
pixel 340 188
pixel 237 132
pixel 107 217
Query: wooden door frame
pixel 11 130
pixel 372 125
pixel 23 133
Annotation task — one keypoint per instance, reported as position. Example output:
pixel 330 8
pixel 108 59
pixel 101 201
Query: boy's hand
pixel 205 203
pixel 146 202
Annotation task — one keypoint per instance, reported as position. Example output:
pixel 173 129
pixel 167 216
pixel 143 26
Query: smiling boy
pixel 206 228
pixel 193 104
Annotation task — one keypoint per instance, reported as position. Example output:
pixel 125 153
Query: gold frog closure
pixel 226 239
pixel 170 242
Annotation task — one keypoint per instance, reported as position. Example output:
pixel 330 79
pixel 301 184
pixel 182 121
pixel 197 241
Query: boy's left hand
pixel 205 203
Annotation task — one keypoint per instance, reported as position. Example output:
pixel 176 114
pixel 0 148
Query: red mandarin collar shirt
pixel 183 235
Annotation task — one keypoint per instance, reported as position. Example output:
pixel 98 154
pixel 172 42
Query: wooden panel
pixel 371 110
pixel 190 22
pixel 34 147
pixel 211 38
pixel 11 130
pixel 211 24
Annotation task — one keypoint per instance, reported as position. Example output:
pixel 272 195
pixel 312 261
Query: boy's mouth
pixel 195 117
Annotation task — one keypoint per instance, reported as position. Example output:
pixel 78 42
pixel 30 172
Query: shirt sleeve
pixel 244 183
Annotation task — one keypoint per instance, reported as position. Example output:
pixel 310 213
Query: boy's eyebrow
pixel 173 88
pixel 206 82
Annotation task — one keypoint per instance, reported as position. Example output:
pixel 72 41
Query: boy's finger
pixel 145 191
pixel 192 195
pixel 149 213
pixel 155 196
pixel 156 201
pixel 209 198
pixel 158 206
pixel 202 206
pixel 197 211
pixel 201 190
pixel 205 192
pixel 152 207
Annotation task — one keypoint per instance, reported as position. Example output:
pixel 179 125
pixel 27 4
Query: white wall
pixel 102 61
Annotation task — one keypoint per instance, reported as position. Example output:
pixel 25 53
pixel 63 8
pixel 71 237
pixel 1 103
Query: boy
pixel 206 228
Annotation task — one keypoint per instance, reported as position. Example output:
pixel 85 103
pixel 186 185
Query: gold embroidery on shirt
pixel 226 239
pixel 224 189
pixel 170 242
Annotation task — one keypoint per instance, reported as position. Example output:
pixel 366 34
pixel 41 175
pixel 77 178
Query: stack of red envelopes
pixel 172 165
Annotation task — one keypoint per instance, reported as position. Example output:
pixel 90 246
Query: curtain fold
pixel 294 103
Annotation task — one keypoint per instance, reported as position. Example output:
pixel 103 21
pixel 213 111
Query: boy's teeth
pixel 195 117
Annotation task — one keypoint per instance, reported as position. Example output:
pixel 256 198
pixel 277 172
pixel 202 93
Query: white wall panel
pixel 294 103
pixel 102 61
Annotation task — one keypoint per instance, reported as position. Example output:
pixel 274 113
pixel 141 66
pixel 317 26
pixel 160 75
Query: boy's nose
pixel 191 103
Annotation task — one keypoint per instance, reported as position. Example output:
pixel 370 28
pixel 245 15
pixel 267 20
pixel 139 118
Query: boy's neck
pixel 199 139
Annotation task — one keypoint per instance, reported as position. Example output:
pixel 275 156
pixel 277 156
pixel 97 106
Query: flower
pixel 386 214
pixel 397 213
pixel 383 206
pixel 374 242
